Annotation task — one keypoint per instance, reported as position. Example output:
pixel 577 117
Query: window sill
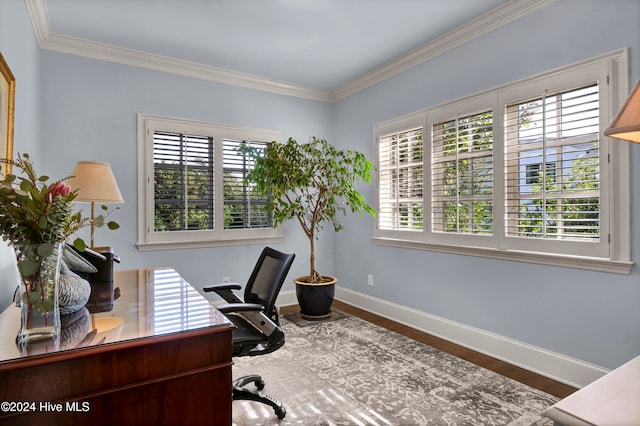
pixel 590 263
pixel 178 245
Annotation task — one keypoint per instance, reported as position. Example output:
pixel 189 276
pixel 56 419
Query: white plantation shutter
pixel 243 208
pixel 462 175
pixel 553 166
pixel 184 182
pixel 193 191
pixel 520 172
pixel 400 200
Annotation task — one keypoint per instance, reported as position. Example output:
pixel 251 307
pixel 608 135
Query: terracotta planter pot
pixel 315 300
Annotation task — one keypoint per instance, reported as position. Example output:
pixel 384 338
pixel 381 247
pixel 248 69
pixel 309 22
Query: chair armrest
pixel 226 308
pixel 225 286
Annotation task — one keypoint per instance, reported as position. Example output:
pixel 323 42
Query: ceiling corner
pixel 497 18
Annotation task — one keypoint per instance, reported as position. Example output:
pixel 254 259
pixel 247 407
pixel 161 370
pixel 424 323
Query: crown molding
pixel 136 58
pixel 496 18
pixel 49 40
pixel 39 15
pixel 503 15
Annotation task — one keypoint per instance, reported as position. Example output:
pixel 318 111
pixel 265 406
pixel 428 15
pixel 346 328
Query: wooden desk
pixel 162 355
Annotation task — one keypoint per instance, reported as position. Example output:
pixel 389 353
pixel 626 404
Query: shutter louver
pixel 552 166
pixel 243 207
pixel 462 175
pixel 400 159
pixel 183 182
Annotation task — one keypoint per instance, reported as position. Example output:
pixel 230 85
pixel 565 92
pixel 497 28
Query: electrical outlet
pixel 370 280
pixel 226 280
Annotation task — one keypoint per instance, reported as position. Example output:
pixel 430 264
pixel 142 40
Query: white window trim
pixel 149 240
pixel 618 192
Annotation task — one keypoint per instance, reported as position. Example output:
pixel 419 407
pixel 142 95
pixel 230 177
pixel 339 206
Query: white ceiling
pixel 324 45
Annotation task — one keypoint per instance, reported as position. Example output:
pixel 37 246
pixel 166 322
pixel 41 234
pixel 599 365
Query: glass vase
pixel 39 267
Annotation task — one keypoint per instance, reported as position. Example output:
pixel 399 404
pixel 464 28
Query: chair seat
pixel 244 333
pixel 247 340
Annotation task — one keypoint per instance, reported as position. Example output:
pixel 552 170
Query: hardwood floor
pixel 521 375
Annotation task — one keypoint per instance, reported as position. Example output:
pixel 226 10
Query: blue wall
pixel 20 50
pixel 73 108
pixel 91 113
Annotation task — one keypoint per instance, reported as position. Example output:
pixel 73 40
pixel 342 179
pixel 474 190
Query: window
pixel 193 185
pixel 462 174
pixel 183 167
pixel 560 130
pixel 517 173
pixel 400 168
pixel 242 207
pixel 534 173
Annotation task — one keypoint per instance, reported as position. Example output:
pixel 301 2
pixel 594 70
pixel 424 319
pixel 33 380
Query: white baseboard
pixel 555 366
pixel 287 298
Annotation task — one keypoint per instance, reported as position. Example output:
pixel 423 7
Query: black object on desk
pixel 102 294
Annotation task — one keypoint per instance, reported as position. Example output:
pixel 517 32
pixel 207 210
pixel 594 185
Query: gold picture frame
pixel 7 105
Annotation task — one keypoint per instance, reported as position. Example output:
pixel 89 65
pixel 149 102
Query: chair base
pixel 242 393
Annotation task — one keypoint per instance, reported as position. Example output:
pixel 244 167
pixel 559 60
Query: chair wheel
pixel 259 384
pixel 281 412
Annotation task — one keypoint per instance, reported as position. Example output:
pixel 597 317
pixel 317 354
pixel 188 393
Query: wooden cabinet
pixel 169 363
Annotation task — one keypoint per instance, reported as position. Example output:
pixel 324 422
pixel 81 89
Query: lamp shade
pixel 626 124
pixel 94 181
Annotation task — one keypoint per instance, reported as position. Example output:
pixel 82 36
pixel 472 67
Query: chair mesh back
pixel 267 278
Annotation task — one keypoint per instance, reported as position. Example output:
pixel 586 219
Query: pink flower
pixel 58 189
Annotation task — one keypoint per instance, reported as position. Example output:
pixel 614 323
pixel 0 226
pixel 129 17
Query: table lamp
pixel 95 183
pixel 626 124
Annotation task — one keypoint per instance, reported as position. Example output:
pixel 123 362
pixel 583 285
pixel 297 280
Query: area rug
pixel 351 372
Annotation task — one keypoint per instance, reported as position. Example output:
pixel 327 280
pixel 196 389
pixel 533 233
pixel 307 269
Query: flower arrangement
pixel 36 218
pixel 34 212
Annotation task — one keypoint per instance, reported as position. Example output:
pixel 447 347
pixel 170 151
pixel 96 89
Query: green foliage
pixel 181 198
pixel 467 171
pixel 33 211
pixel 313 183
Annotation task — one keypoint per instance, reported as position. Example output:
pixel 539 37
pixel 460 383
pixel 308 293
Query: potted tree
pixel 313 183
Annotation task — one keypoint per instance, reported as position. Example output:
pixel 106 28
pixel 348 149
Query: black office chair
pixel 257 320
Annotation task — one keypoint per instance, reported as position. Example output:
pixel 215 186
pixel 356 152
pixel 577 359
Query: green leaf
pixel 79 244
pixel 26 186
pixel 113 225
pixel 43 222
pixel 33 297
pixel 45 250
pixel 27 268
pixel 46 306
pixel 99 221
